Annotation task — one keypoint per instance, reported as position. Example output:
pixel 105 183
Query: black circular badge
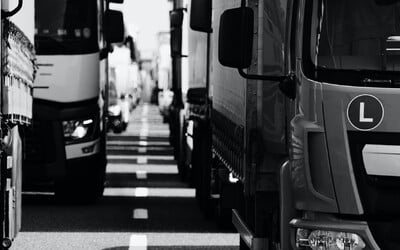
pixel 365 112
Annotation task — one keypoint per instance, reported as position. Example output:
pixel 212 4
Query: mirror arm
pixel 287 84
pixel 261 77
pixel 5 14
pixel 183 9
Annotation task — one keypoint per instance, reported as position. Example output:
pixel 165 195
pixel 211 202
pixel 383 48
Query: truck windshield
pixel 361 35
pixel 65 27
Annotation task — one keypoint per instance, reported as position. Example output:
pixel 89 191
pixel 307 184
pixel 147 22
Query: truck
pixel 162 75
pixel 303 123
pixel 124 84
pixel 18 72
pixel 67 143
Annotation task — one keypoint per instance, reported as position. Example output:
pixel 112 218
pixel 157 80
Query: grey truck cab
pixel 337 62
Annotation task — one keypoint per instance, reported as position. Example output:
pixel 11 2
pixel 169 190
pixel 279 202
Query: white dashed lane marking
pixel 140 214
pixel 142 150
pixel 141 175
pixel 142 160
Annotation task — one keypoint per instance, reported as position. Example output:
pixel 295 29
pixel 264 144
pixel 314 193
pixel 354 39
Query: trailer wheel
pixel 79 190
pixel 181 151
pixel 203 168
pixel 85 187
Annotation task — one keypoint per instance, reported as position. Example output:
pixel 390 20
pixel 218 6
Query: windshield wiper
pixel 383 81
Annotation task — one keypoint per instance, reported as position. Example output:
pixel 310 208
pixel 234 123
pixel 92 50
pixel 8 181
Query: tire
pixel 224 216
pixel 118 129
pixel 82 187
pixel 124 126
pixel 202 167
pixel 79 191
pixel 183 148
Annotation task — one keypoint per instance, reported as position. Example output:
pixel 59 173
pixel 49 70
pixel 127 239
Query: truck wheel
pixel 79 191
pixel 204 162
pixel 118 129
pixel 182 158
pixel 224 218
pixel 81 188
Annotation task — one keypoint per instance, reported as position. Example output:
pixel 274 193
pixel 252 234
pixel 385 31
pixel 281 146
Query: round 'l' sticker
pixel 365 112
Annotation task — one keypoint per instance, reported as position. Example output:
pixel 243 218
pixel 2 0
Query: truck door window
pixel 352 42
pixel 354 35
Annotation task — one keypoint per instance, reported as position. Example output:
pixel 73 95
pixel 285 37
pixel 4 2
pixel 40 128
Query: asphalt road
pixel 144 206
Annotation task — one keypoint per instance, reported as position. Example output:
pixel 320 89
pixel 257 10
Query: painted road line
pixel 138 242
pixel 141 192
pixel 144 120
pixel 150 192
pixel 119 192
pixel 143 143
pixel 140 214
pixel 118 168
pixel 142 160
pixel 145 110
pixel 135 157
pixel 142 150
pixel 143 133
pixel 144 129
pixel 141 175
pixel 142 138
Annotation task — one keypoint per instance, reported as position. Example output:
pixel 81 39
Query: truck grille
pixel 40 146
pixel 380 195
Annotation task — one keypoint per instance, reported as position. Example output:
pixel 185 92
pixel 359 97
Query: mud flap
pixel 247 235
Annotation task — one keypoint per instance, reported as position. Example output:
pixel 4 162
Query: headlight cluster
pixel 328 240
pixel 114 110
pixel 78 129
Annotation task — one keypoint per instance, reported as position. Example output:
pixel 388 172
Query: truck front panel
pixel 345 135
pixel 67 78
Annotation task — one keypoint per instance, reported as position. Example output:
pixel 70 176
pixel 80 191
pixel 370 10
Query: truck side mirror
pixel 176 21
pixel 130 43
pixel 5 14
pixel 114 30
pixel 176 18
pixel 176 42
pixel 235 42
pixel 200 15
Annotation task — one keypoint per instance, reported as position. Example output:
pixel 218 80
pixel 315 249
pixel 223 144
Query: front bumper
pixel 48 157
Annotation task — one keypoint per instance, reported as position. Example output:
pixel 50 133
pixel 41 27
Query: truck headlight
pixel 328 240
pixel 77 129
pixel 114 110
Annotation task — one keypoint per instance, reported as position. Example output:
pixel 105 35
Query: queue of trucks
pixel 289 127
pixel 286 124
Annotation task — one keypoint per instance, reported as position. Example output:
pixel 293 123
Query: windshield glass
pixel 356 35
pixel 65 26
